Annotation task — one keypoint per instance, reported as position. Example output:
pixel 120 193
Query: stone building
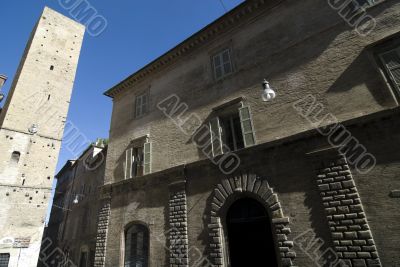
pixel 180 125
pixel 72 228
pixel 31 127
pixel 201 171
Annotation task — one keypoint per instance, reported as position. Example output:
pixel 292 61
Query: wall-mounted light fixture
pixel 76 200
pixel 268 93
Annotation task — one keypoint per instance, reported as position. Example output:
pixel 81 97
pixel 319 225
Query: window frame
pixel 385 46
pixel 146 236
pixel 139 143
pixel 9 257
pixel 84 250
pixel 143 111
pixel 229 109
pixel 220 54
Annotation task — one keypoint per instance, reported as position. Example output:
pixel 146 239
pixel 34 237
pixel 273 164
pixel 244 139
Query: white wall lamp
pixel 76 200
pixel 268 93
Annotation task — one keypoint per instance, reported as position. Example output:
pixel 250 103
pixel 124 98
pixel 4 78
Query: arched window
pixel 136 246
pixel 15 156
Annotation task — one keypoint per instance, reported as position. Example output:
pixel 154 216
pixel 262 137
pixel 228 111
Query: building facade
pixel 31 127
pixel 201 171
pixel 72 228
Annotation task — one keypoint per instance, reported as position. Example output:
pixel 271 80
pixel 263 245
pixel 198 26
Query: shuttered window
pixel 141 105
pixel 136 246
pixel 137 161
pixel 391 61
pixel 4 259
pixel 216 136
pixel 128 163
pixel 147 158
pixel 247 127
pixel 232 131
pixel 222 64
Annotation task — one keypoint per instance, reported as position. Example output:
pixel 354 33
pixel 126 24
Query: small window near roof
pixel 141 105
pixel 15 156
pixel 222 64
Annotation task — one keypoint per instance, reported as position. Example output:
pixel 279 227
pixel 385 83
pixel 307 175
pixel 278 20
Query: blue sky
pixel 137 33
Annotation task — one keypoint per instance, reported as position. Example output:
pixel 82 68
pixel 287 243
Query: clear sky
pixel 137 33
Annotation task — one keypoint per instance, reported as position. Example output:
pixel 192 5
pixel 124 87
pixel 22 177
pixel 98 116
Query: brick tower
pixel 31 127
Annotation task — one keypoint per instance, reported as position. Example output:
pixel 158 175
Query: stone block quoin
pixel 102 230
pixel 178 232
pixel 351 235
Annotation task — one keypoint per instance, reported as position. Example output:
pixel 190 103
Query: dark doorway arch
pixel 250 235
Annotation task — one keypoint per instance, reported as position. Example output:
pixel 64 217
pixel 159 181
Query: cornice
pixel 227 21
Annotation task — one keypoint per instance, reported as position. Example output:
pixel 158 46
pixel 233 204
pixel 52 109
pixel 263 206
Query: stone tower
pixel 31 127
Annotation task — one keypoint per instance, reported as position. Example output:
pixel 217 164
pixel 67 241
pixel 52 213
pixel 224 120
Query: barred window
pixel 136 246
pixel 4 259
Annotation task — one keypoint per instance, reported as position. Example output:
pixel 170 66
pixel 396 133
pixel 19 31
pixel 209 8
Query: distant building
pixel 72 226
pixel 201 171
pixel 31 127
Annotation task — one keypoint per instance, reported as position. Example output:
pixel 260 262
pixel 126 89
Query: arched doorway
pixel 249 235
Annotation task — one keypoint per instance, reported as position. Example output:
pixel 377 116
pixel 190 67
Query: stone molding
pixel 258 188
pixel 352 238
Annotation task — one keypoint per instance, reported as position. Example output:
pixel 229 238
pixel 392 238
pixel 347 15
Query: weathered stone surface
pixel 32 123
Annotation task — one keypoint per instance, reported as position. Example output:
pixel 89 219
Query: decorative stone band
pixel 102 229
pixel 352 238
pixel 258 188
pixel 178 236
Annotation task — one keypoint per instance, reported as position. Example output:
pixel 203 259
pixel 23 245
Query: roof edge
pixel 227 20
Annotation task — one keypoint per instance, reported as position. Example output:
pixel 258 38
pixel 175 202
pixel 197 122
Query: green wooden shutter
pixel 147 158
pixel 128 163
pixel 391 60
pixel 215 131
pixel 247 127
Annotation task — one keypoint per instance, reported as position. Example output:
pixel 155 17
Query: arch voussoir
pixel 260 188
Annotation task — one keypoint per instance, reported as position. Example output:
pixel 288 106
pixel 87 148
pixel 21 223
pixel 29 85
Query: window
pixel 15 156
pixel 391 62
pixel 4 259
pixel 141 105
pixel 222 64
pixel 354 6
pixel 138 161
pixel 136 246
pixel 231 130
pixel 84 259
pixel 231 134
